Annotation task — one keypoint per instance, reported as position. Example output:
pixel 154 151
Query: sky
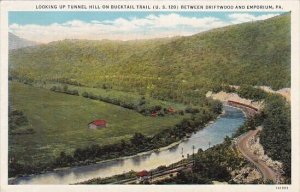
pixel 45 27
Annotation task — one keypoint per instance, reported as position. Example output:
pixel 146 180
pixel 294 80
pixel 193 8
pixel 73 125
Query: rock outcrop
pixel 246 175
pixel 257 149
pixel 225 97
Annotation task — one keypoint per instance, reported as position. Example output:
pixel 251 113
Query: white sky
pixel 151 26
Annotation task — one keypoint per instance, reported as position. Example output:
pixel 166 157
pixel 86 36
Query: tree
pixel 65 88
pixel 276 133
pixel 53 88
pixel 138 139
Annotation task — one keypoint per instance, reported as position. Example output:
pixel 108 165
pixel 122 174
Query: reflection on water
pixel 213 134
pixel 173 148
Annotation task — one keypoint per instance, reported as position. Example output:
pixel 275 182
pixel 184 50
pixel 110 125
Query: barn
pixel 99 123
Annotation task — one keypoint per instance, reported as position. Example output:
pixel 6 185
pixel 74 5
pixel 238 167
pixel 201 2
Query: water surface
pixel 211 135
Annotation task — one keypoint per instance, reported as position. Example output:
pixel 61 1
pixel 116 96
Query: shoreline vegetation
pixel 222 173
pixel 275 118
pixel 108 79
pixel 237 161
pixel 138 140
pixel 132 173
pixel 139 143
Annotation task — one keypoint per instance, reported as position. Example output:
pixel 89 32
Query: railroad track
pixel 156 175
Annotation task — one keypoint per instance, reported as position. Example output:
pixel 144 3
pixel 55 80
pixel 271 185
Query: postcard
pixel 154 96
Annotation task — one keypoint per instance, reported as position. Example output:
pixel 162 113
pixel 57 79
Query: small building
pixel 171 110
pixel 154 114
pixel 99 123
pixel 143 176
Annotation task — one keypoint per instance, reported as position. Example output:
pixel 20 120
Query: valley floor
pixel 60 123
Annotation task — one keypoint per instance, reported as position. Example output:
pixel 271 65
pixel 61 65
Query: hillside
pixel 66 128
pixel 15 42
pixel 180 68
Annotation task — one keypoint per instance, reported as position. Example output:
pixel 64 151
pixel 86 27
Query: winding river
pixel 211 135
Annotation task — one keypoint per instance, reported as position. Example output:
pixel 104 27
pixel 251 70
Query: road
pixel 267 172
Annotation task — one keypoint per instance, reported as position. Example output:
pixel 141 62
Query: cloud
pixel 246 17
pixel 151 26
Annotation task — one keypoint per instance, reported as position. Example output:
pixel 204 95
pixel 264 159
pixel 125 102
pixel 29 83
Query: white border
pixel 292 6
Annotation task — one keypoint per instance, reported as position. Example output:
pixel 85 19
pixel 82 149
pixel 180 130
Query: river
pixel 211 135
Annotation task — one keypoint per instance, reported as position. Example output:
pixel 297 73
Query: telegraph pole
pixel 193 154
pixel 193 163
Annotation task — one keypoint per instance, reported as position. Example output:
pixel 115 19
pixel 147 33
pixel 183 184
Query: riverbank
pixel 166 156
pixel 224 97
pixel 224 147
pixel 139 142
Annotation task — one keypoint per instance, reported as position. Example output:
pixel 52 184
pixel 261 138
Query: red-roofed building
pixel 143 176
pixel 143 173
pixel 154 114
pixel 99 123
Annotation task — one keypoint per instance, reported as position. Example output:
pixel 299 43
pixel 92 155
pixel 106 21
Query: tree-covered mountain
pixel 15 42
pixel 254 53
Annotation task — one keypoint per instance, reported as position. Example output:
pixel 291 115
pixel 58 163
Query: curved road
pixel 267 172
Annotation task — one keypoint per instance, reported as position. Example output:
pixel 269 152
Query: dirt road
pixel 267 172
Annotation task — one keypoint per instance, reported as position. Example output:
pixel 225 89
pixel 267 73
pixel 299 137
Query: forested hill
pixel 15 42
pixel 255 53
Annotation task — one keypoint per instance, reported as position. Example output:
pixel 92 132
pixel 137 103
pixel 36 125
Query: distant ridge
pixel 253 53
pixel 16 42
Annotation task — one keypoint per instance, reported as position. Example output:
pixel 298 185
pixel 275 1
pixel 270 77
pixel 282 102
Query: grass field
pixel 60 123
pixel 131 97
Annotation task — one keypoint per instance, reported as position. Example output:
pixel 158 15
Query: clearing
pixel 60 123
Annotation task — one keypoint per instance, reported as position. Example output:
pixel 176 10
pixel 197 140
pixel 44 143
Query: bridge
pixel 248 109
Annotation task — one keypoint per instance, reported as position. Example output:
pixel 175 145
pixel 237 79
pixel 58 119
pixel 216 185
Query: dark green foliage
pixel 142 101
pixel 16 119
pixel 192 110
pixel 268 182
pixel 85 94
pixel 139 107
pixel 208 168
pixel 17 122
pixel 138 143
pixel 106 86
pixel 217 106
pixel 210 165
pixel 63 159
pixel 66 81
pixel 181 69
pixel 64 90
pixel 229 89
pixel 16 169
pixel 251 124
pixel 214 164
pixel 112 179
pixel 249 92
pixel 276 133
pixel 188 177
pixel 138 139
